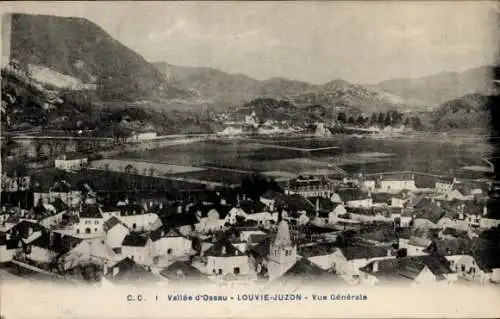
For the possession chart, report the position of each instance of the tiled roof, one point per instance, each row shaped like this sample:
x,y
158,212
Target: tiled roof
x,y
135,240
294,203
449,247
164,232
306,273
112,222
271,194
223,248
90,211
408,268
61,244
363,251
319,249
351,194
130,271
180,270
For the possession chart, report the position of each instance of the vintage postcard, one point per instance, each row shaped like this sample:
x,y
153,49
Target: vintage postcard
x,y
247,159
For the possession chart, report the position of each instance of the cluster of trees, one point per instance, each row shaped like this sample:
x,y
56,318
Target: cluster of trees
x,y
389,118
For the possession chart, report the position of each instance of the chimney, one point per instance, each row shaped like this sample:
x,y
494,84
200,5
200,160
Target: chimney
x,y
179,209
145,207
51,238
105,269
161,205
485,210
115,271
375,266
438,203
223,251
389,252
317,205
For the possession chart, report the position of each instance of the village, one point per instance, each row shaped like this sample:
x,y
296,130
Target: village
x,y
371,229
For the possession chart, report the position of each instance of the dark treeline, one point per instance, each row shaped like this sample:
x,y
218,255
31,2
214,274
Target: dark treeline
x,y
380,119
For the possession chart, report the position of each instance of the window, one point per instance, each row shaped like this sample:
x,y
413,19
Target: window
x,y
77,230
169,251
236,270
87,230
213,271
134,226
463,268
220,271
95,229
97,222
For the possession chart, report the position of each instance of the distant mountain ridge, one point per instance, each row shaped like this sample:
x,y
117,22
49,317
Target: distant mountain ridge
x,y
220,87
439,88
78,48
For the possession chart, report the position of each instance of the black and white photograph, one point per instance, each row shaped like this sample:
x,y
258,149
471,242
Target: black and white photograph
x,y
217,159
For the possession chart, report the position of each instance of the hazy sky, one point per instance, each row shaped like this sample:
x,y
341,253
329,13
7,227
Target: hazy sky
x,y
363,42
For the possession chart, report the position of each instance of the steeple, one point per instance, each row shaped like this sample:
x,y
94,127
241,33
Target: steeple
x,y
282,238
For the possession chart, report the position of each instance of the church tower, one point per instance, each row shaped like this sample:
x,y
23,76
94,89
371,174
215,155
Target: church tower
x,y
282,252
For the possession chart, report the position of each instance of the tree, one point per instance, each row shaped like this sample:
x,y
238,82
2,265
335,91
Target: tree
x,y
388,119
341,117
407,122
380,119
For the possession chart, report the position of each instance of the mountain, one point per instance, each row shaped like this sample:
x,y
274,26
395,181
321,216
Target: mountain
x,y
467,112
225,89
212,84
79,50
439,88
342,94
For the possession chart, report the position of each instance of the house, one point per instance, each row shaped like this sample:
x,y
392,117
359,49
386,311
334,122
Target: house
x,y
90,221
70,195
209,218
142,136
319,254
348,260
180,272
408,271
480,265
234,214
338,212
399,199
413,244
138,247
491,214
137,218
170,243
309,187
127,271
355,197
40,245
71,162
258,212
268,199
8,247
445,184
428,209
304,272
15,183
224,258
115,232
396,181
369,184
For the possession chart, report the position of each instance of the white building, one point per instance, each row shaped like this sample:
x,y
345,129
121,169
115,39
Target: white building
x,y
170,243
116,231
139,248
71,162
224,258
90,222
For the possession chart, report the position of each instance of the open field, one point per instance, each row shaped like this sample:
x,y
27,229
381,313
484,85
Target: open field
x,y
354,155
